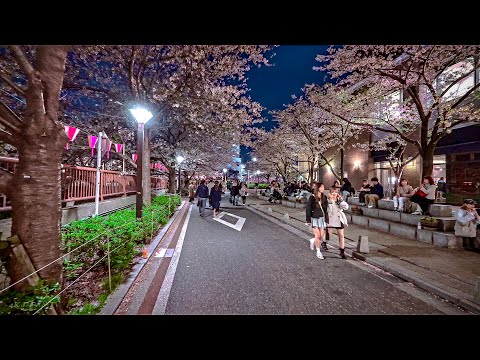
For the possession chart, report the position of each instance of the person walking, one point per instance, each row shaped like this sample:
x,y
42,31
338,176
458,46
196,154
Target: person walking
x,y
216,198
234,193
244,193
466,223
202,193
337,219
317,217
404,192
191,191
210,185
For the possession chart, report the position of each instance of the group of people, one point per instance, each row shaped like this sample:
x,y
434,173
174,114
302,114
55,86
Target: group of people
x,y
213,192
324,213
424,195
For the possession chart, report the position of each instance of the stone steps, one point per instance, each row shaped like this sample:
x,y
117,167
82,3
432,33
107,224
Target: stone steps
x,y
405,225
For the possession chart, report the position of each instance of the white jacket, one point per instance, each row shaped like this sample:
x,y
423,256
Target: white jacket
x,y
466,225
336,216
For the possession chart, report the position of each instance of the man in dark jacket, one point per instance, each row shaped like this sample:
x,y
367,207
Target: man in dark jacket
x,y
234,193
202,193
376,193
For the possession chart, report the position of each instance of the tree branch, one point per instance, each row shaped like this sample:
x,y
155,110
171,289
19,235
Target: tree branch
x,y
23,61
6,137
459,101
10,83
9,114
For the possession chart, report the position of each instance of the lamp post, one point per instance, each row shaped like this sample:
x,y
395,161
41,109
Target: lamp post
x,y
225,173
179,159
142,116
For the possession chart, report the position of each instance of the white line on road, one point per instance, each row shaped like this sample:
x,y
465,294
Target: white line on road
x,y
164,294
237,226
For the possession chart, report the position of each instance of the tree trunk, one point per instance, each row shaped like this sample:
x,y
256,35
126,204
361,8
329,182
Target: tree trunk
x,y
147,181
427,160
171,180
36,199
342,173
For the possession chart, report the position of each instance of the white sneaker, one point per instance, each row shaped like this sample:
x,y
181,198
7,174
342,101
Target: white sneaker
x,y
319,254
417,213
312,243
370,206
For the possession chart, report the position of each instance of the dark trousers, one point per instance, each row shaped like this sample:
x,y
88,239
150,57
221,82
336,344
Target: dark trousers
x,y
362,196
244,198
423,202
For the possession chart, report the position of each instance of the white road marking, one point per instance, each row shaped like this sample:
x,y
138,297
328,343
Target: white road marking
x,y
164,294
237,226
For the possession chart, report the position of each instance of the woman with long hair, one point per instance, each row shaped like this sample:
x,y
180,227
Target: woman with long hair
x,y
424,195
404,192
337,219
216,198
317,217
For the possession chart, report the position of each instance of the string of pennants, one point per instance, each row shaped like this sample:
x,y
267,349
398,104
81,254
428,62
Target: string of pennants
x,y
106,146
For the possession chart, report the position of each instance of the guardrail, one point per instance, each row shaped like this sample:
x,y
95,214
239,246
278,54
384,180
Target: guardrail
x,y
78,183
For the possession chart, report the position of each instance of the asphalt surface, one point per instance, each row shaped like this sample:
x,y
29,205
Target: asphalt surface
x,y
265,269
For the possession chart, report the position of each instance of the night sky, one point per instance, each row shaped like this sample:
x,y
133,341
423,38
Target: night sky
x,y
293,66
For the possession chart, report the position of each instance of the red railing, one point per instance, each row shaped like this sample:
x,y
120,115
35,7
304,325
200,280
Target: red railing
x,y
78,183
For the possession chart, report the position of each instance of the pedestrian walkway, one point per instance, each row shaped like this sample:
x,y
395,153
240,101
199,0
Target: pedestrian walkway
x,y
451,274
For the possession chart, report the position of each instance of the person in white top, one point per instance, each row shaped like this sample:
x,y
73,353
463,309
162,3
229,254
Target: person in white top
x,y
424,195
336,217
244,193
466,223
404,192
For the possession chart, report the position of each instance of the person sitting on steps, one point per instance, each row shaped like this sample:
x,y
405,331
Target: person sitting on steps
x,y
376,193
365,189
404,192
424,195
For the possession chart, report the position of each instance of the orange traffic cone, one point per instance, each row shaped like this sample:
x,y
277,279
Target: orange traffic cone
x,y
144,252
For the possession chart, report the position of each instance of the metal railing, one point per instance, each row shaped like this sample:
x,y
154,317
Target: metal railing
x,y
78,183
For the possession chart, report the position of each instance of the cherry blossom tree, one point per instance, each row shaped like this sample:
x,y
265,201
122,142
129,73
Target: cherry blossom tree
x,y
192,80
436,81
31,79
325,134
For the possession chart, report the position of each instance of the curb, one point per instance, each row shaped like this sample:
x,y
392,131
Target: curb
x,y
402,274
116,298
425,285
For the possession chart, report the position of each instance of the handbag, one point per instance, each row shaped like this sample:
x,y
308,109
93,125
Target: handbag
x,y
421,193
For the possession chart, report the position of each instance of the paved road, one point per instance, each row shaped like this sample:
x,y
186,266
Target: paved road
x,y
264,269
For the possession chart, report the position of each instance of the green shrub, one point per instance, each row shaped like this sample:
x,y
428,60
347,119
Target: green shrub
x,y
27,303
126,239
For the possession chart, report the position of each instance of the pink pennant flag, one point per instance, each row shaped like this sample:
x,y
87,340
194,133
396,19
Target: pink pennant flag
x,y
92,141
71,133
134,157
118,148
151,166
109,146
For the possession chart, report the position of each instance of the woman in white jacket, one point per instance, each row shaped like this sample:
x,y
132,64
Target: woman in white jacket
x,y
466,224
336,217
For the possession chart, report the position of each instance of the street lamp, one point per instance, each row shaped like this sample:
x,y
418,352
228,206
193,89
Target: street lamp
x,y
142,116
179,159
254,159
225,173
